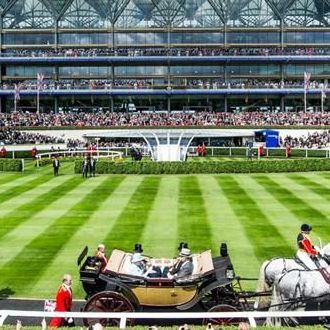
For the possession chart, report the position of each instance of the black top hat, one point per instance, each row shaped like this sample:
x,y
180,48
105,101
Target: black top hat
x,y
183,245
138,248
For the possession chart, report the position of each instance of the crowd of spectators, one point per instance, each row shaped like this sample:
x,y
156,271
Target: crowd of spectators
x,y
11,136
148,84
315,140
163,51
175,118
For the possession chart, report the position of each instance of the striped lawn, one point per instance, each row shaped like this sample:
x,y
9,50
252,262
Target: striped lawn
x,y
46,221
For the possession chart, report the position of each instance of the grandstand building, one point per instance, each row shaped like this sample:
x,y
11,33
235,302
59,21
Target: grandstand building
x,y
163,55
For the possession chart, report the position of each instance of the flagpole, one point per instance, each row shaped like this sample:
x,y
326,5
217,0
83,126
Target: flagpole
x,y
38,100
322,101
15,103
305,100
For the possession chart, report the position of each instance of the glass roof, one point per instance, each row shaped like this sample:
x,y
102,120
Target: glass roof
x,y
163,13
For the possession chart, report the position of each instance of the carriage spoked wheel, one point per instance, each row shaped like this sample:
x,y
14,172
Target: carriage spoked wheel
x,y
222,321
108,301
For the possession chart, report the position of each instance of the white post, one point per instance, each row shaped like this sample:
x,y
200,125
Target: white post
x,y
122,324
322,102
305,100
15,103
23,167
97,146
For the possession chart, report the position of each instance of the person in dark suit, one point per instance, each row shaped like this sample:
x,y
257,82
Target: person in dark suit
x,y
184,267
93,166
86,166
56,166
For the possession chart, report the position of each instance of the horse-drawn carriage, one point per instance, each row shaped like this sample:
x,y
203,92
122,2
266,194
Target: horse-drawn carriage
x,y
211,285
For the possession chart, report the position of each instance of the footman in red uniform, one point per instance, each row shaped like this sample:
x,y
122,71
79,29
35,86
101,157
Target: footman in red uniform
x,y
63,303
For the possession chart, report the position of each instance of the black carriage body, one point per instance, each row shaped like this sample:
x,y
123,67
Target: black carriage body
x,y
210,284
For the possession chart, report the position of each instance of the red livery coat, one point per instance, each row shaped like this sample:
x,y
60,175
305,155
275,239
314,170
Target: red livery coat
x,y
63,304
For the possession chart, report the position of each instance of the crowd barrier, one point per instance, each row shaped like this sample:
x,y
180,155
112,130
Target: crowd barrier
x,y
249,316
100,153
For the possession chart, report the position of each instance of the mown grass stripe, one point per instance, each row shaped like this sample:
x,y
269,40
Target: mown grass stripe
x,y
317,188
192,217
39,253
285,222
130,224
8,177
14,241
91,234
226,227
296,205
159,238
257,227
20,189
22,213
325,175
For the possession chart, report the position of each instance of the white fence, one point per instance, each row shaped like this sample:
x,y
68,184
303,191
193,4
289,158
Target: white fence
x,y
249,316
67,153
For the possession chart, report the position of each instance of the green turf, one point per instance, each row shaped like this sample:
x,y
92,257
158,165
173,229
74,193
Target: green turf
x,y
47,221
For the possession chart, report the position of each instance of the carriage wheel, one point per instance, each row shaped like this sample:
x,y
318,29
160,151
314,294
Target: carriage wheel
x,y
222,321
218,296
108,301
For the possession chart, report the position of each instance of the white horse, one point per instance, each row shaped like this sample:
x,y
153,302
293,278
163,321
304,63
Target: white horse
x,y
295,288
271,269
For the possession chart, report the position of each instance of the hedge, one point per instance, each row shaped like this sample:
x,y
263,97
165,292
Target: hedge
x,y
267,166
10,165
47,161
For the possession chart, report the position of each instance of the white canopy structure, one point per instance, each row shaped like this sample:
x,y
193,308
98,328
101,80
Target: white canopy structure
x,y
169,144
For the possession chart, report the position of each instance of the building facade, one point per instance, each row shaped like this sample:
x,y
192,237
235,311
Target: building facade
x,y
170,55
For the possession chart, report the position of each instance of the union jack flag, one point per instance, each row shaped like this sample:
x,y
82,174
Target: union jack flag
x,y
40,79
17,92
307,79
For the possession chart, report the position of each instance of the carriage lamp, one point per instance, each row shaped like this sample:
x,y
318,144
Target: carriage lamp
x,y
223,250
230,274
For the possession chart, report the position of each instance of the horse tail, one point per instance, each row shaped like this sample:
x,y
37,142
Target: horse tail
x,y
275,305
262,302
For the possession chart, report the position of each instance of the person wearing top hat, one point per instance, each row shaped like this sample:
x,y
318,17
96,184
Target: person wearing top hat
x,y
307,253
184,267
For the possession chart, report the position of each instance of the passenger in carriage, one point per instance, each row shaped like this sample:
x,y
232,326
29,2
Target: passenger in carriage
x,y
184,267
140,264
101,257
307,253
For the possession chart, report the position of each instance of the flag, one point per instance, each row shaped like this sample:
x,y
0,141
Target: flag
x,y
307,80
92,84
49,306
17,91
324,88
40,79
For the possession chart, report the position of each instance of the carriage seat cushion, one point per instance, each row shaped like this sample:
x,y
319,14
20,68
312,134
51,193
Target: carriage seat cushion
x,y
118,260
203,263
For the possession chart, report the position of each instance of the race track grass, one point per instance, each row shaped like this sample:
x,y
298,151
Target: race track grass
x,y
47,221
